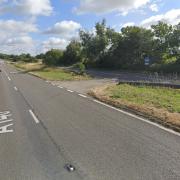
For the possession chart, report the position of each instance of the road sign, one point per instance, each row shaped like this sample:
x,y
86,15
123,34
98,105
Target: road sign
x,y
147,61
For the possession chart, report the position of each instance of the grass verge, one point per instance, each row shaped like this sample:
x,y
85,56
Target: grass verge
x,y
156,103
50,73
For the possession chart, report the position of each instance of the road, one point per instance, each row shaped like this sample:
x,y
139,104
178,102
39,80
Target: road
x,y
135,76
43,127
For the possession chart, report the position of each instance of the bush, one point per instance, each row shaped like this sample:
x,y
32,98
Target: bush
x,y
72,54
53,57
81,67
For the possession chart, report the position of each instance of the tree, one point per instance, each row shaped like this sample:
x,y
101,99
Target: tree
x,y
174,42
53,57
95,45
162,34
72,54
40,56
134,43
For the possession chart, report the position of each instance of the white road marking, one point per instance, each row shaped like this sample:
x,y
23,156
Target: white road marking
x,y
14,72
70,91
4,129
4,115
9,78
15,88
139,118
60,87
82,95
4,118
34,116
10,120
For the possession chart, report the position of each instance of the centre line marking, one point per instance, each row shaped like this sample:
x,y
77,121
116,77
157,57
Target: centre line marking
x,y
15,88
34,116
70,91
82,95
60,87
9,78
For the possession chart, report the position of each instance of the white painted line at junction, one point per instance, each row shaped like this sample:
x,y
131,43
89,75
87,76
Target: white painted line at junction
x,y
139,118
9,78
82,95
34,116
60,87
15,88
70,91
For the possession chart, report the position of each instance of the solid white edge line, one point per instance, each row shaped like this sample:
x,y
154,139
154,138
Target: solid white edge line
x,y
139,118
15,88
70,91
34,116
82,95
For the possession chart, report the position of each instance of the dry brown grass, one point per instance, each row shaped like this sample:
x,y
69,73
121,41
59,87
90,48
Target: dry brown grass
x,y
50,73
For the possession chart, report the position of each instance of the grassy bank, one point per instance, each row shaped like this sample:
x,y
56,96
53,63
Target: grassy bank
x,y
153,102
50,73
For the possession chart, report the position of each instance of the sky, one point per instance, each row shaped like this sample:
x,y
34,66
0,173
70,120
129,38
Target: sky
x,y
36,26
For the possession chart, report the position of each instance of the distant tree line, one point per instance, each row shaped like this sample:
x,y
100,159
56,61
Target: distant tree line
x,y
23,57
127,49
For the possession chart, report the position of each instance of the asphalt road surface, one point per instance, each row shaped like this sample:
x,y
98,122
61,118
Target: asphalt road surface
x,y
44,127
135,76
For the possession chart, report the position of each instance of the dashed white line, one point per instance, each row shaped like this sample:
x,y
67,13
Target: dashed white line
x,y
70,91
9,78
34,116
5,73
60,87
139,118
82,95
15,88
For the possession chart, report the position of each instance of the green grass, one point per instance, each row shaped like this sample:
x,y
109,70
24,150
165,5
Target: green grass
x,y
158,97
58,74
50,73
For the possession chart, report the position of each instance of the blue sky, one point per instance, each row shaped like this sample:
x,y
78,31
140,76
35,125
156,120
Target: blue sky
x,y
35,26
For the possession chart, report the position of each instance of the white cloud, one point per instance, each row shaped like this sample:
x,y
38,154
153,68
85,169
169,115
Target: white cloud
x,y
14,36
154,7
54,43
64,29
170,17
105,6
128,24
27,7
10,29
12,26
18,45
23,40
